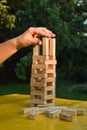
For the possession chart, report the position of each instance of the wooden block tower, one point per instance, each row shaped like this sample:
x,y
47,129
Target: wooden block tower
x,y
43,74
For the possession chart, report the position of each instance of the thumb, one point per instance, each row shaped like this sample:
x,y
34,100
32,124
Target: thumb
x,y
37,41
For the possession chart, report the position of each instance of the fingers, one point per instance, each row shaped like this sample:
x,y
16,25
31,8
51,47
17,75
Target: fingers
x,y
36,41
48,33
41,31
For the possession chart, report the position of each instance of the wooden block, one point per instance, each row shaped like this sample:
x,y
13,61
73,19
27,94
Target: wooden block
x,y
43,68
50,71
39,57
45,45
48,88
50,110
39,75
69,111
43,82
32,115
53,62
41,61
51,80
36,101
43,76
43,57
36,50
44,62
39,66
41,110
52,47
65,117
49,97
54,113
59,107
38,84
81,112
37,92
42,105
27,110
42,88
50,104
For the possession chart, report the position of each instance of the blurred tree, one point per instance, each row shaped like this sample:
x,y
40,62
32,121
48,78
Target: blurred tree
x,y
7,20
73,16
23,68
67,19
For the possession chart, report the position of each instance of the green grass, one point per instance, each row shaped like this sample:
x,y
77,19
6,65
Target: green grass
x,y
71,90
64,89
14,88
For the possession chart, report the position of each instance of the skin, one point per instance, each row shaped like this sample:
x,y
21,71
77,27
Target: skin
x,y
29,37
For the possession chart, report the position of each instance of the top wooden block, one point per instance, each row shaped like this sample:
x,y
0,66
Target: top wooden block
x,y
45,46
48,48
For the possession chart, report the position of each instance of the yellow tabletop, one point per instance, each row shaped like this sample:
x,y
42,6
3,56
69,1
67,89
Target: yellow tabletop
x,y
11,119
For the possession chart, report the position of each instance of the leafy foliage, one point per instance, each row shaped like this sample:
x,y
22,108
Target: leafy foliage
x,y
23,69
66,18
6,19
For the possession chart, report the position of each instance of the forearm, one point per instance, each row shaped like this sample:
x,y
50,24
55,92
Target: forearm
x,y
7,49
29,37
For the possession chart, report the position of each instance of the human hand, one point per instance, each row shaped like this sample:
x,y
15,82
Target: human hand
x,y
31,36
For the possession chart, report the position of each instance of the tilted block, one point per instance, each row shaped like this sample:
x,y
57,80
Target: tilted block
x,y
65,117
32,114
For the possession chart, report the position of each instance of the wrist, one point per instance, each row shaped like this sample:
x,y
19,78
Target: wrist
x,y
18,43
